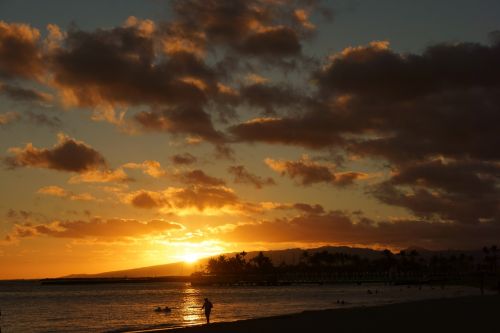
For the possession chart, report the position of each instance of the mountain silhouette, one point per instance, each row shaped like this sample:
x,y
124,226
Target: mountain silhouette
x,y
287,256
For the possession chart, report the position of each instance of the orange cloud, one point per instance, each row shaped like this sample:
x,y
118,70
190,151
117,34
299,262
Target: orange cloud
x,y
149,167
204,199
176,44
146,28
195,82
302,16
54,37
95,228
256,78
8,117
101,176
62,193
176,39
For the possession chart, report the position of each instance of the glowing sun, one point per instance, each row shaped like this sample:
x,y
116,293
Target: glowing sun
x,y
190,257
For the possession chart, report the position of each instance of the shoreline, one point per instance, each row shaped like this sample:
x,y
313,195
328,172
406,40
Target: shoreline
x,y
458,314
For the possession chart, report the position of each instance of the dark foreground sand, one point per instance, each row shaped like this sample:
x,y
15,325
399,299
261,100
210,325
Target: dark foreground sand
x,y
465,314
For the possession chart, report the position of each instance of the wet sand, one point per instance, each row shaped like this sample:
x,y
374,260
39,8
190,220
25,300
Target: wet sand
x,y
461,314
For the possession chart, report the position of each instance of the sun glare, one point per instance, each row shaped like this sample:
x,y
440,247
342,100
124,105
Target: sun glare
x,y
190,257
194,252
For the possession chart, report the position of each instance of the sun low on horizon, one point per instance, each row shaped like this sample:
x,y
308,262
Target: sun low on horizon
x,y
154,132
191,258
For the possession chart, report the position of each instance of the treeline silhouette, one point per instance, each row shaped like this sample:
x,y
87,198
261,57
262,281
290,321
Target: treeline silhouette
x,y
407,266
321,261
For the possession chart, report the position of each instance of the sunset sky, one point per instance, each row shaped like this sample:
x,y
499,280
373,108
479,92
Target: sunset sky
x,y
143,132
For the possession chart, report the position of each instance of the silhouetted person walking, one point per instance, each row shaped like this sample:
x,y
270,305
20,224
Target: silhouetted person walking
x,y
208,308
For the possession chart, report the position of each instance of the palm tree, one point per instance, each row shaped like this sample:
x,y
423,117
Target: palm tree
x,y
389,257
494,257
263,264
305,256
413,256
403,262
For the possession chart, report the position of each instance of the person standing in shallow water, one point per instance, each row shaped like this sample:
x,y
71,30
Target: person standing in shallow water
x,y
208,308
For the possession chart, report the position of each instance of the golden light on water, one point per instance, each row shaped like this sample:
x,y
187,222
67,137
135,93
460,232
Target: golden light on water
x,y
191,304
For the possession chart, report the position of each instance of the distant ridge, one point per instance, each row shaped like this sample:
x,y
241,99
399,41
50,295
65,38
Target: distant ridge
x,y
288,256
172,269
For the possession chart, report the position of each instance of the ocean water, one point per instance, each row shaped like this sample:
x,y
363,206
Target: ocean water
x,y
31,307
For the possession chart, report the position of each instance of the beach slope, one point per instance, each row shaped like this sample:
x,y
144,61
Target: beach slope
x,y
462,314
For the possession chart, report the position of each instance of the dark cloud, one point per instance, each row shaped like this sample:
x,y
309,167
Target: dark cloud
x,y
30,117
198,177
120,66
340,228
145,199
243,176
312,130
420,130
309,209
43,119
408,112
255,27
455,191
435,118
21,214
163,65
182,120
223,21
23,94
440,68
307,172
432,116
183,159
20,55
67,155
270,97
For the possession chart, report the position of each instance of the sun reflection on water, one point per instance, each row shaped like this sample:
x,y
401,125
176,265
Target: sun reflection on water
x,y
191,305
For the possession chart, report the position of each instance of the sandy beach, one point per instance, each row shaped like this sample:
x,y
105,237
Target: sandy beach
x,y
462,314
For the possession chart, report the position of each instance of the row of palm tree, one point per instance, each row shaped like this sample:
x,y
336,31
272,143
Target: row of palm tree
x,y
324,261
491,257
238,264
